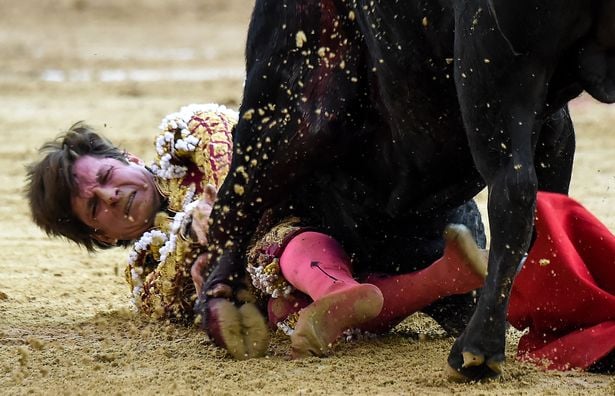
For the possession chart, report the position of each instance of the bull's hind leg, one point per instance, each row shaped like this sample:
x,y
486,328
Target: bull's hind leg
x,y
479,352
502,85
555,153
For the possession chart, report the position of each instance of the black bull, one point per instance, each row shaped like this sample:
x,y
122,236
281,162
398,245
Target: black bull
x,y
402,110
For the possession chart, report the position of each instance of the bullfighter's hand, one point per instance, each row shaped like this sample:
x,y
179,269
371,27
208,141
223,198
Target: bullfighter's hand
x,y
201,214
220,290
196,271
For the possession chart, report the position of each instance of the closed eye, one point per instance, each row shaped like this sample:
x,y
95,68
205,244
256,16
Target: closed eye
x,y
103,177
93,207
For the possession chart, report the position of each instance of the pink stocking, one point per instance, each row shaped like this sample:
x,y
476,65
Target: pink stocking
x,y
316,264
461,269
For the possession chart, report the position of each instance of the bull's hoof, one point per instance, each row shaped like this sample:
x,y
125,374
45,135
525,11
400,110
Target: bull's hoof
x,y
254,330
470,359
241,331
472,367
474,374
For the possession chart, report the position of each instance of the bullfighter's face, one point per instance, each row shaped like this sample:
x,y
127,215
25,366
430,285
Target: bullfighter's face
x,y
118,200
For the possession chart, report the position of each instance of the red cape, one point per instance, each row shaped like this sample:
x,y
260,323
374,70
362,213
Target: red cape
x,y
565,292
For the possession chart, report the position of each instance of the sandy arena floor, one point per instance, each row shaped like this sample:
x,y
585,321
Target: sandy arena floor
x,y
64,323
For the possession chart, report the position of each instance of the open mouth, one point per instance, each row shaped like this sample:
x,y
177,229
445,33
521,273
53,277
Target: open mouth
x,y
131,198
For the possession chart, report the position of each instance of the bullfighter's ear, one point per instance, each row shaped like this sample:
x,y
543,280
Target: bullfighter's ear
x,y
134,159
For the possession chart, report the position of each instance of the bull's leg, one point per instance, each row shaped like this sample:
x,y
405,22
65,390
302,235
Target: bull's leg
x,y
291,123
555,153
553,165
479,351
502,87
